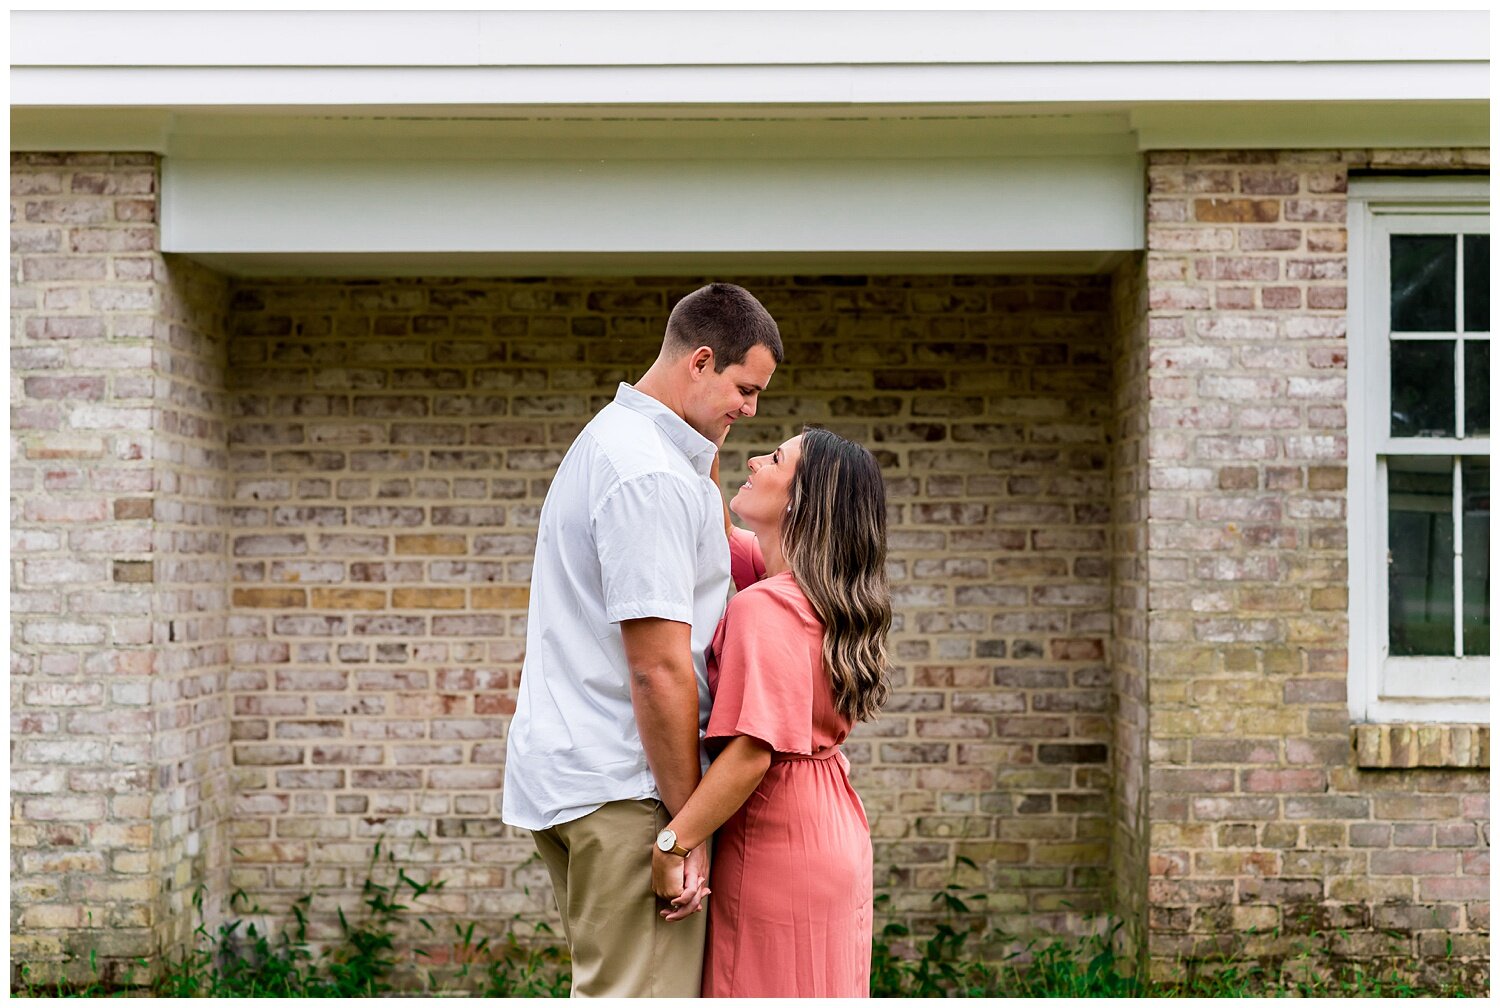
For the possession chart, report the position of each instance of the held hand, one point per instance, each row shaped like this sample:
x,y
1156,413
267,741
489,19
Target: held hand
x,y
666,874
695,887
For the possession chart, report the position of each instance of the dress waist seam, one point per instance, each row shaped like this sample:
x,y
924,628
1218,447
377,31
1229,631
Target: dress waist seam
x,y
825,754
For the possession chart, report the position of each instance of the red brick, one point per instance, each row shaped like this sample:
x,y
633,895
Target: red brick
x,y
1284,781
1237,211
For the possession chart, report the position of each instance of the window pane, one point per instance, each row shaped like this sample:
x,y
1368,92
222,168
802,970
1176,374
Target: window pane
x,y
1424,287
1421,552
1422,388
1476,283
1476,476
1476,387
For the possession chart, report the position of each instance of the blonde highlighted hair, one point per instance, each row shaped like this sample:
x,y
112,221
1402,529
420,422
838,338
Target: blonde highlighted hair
x,y
833,538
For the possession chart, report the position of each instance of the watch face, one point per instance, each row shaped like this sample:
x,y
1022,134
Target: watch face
x,y
666,840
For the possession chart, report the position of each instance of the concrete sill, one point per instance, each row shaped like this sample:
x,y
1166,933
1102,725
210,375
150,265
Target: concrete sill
x,y
1405,746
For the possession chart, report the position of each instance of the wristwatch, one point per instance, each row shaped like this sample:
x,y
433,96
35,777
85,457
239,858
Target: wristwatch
x,y
666,842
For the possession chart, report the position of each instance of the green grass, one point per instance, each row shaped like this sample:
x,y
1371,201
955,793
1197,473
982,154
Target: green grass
x,y
958,959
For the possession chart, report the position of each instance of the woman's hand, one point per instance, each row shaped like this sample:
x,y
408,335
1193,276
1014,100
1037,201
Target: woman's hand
x,y
695,888
713,477
667,871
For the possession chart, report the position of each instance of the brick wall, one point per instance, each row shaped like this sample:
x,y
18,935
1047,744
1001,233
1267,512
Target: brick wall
x,y
113,467
190,574
1129,640
1259,817
301,514
391,444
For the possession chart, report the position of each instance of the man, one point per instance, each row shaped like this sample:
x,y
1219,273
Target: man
x,y
629,581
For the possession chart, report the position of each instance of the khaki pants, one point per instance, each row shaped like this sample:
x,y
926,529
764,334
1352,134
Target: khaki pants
x,y
601,874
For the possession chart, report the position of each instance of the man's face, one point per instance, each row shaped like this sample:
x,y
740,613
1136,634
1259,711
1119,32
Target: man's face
x,y
719,398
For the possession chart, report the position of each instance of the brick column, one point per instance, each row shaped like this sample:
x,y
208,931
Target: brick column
x,y
112,376
1129,641
1259,817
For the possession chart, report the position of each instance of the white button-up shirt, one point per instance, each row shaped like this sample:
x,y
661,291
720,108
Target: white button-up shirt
x,y
631,528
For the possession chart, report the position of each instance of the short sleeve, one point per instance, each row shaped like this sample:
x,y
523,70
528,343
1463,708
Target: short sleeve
x,y
746,563
765,684
646,534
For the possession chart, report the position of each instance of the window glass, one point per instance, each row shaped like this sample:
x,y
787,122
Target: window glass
x,y
1422,388
1476,487
1476,387
1424,272
1421,555
1476,283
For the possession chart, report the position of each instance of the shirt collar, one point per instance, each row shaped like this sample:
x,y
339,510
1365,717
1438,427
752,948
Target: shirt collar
x,y
698,449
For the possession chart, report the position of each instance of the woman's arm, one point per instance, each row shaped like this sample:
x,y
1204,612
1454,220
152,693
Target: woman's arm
x,y
731,778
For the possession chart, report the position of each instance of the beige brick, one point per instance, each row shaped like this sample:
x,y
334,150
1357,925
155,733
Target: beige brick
x,y
347,598
430,545
270,598
427,598
500,598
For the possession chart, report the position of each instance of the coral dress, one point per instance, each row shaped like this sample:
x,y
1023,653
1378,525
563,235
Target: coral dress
x,y
790,914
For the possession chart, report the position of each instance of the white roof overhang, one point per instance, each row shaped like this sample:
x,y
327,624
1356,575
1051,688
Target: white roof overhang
x,y
605,141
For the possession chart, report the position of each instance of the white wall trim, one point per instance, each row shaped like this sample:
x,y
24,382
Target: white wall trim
x,y
601,207
738,38
684,86
1174,79
1369,200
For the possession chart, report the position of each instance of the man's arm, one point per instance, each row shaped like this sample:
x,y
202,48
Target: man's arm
x,y
664,693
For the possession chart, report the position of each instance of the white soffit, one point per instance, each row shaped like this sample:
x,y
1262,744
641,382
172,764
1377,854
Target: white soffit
x,y
609,211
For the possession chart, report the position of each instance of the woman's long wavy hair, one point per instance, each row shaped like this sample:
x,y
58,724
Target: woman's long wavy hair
x,y
833,538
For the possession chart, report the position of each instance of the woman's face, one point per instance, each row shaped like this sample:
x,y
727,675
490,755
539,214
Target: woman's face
x,y
763,498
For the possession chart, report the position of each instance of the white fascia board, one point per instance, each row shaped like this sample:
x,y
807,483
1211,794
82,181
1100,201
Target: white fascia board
x,y
958,205
689,264
753,133
729,38
758,132
1177,126
791,86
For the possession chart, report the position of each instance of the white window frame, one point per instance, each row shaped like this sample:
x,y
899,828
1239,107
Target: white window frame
x,y
1381,688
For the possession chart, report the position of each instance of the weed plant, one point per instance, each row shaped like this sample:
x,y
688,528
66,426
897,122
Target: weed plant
x,y
240,961
368,960
1090,967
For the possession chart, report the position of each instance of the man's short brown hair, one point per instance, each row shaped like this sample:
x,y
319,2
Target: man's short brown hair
x,y
725,318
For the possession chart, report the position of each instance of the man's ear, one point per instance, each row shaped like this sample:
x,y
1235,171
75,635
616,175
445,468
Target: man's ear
x,y
701,360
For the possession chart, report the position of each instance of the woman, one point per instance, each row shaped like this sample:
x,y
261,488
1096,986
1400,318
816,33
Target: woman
x,y
798,658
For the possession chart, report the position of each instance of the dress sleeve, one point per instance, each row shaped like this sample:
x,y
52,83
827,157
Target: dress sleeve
x,y
765,684
746,564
